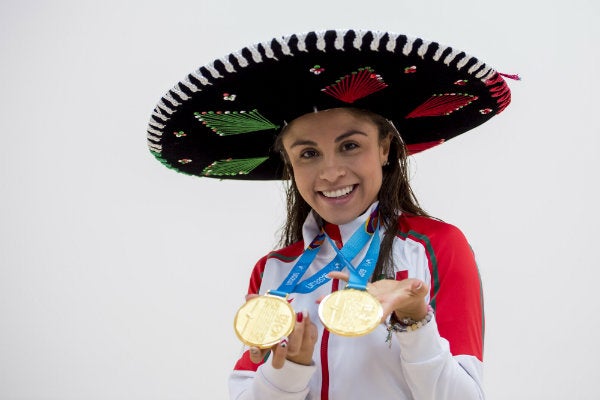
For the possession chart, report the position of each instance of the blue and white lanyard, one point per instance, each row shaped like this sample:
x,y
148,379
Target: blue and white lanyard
x,y
359,276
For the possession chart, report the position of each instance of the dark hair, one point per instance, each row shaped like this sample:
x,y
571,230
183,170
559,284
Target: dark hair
x,y
394,196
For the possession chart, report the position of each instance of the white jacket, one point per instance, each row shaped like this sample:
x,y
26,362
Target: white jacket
x,y
442,360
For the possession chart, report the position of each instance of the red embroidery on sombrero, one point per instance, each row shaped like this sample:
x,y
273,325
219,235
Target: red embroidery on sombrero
x,y
356,85
500,91
442,104
419,147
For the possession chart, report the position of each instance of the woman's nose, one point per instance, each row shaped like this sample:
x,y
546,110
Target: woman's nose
x,y
332,171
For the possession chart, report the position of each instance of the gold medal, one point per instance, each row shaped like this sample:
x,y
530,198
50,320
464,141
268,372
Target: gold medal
x,y
350,312
264,320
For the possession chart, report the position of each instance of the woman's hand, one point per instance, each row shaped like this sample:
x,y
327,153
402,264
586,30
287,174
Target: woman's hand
x,y
298,347
406,297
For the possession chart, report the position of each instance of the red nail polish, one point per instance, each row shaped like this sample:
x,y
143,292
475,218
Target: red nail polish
x,y
299,317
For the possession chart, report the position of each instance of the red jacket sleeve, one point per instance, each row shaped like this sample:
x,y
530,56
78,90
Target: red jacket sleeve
x,y
456,293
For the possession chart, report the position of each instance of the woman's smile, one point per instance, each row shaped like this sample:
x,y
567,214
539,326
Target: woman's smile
x,y
335,194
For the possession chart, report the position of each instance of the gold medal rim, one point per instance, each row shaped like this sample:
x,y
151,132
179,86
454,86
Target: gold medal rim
x,y
262,298
346,333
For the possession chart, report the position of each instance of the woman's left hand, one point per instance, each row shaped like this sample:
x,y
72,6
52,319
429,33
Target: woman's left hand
x,y
406,297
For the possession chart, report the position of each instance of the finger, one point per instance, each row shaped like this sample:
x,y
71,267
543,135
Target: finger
x,y
257,355
419,287
279,354
387,311
295,342
310,330
339,275
251,296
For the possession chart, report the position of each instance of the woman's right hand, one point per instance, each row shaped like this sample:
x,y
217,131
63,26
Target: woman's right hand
x,y
298,347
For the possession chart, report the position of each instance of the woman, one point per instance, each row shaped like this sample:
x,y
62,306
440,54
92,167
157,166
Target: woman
x,y
352,216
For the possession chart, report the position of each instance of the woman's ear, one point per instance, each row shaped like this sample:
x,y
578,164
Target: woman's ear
x,y
384,149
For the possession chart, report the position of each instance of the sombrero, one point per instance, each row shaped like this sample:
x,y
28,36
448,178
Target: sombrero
x,y
222,119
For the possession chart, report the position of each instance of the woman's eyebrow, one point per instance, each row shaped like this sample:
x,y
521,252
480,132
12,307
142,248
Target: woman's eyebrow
x,y
305,142
301,142
348,134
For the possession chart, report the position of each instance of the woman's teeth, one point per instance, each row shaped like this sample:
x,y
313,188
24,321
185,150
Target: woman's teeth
x,y
339,192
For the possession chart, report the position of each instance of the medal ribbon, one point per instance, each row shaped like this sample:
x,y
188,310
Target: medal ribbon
x,y
358,277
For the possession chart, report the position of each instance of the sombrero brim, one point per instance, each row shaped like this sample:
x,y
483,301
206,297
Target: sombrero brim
x,y
222,119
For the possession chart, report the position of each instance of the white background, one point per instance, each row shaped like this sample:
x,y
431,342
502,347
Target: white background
x,y
119,278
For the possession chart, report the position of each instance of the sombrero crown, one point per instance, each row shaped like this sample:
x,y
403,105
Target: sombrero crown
x,y
222,119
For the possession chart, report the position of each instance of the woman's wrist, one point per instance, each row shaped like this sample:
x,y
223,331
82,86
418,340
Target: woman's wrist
x,y
408,318
409,323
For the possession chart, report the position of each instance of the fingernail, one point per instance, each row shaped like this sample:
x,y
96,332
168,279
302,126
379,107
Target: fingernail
x,y
283,342
299,316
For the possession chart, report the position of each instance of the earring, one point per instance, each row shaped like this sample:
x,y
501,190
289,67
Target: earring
x,y
386,163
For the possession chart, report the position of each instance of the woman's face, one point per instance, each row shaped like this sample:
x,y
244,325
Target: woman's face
x,y
336,158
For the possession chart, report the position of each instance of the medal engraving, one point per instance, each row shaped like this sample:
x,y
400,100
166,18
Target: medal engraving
x,y
263,321
350,312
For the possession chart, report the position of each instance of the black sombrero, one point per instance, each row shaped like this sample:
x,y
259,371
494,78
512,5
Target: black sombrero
x,y
222,119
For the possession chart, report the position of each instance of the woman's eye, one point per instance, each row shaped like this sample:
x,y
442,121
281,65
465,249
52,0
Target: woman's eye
x,y
349,146
308,154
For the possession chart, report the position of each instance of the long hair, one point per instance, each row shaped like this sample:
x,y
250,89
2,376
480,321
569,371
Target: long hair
x,y
395,195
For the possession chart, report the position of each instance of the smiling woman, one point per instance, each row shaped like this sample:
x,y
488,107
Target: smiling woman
x,y
336,160
409,322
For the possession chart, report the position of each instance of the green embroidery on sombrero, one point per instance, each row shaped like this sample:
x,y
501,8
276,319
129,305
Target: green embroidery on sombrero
x,y
160,158
356,85
234,122
231,167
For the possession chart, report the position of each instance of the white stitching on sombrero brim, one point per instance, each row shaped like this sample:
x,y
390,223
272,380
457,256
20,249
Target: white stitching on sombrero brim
x,y
213,71
240,59
438,53
391,44
269,52
407,49
376,39
485,74
163,107
357,42
156,147
169,97
301,43
154,134
186,82
422,50
256,57
177,90
228,65
339,40
285,48
198,75
321,41
450,57
462,62
158,114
